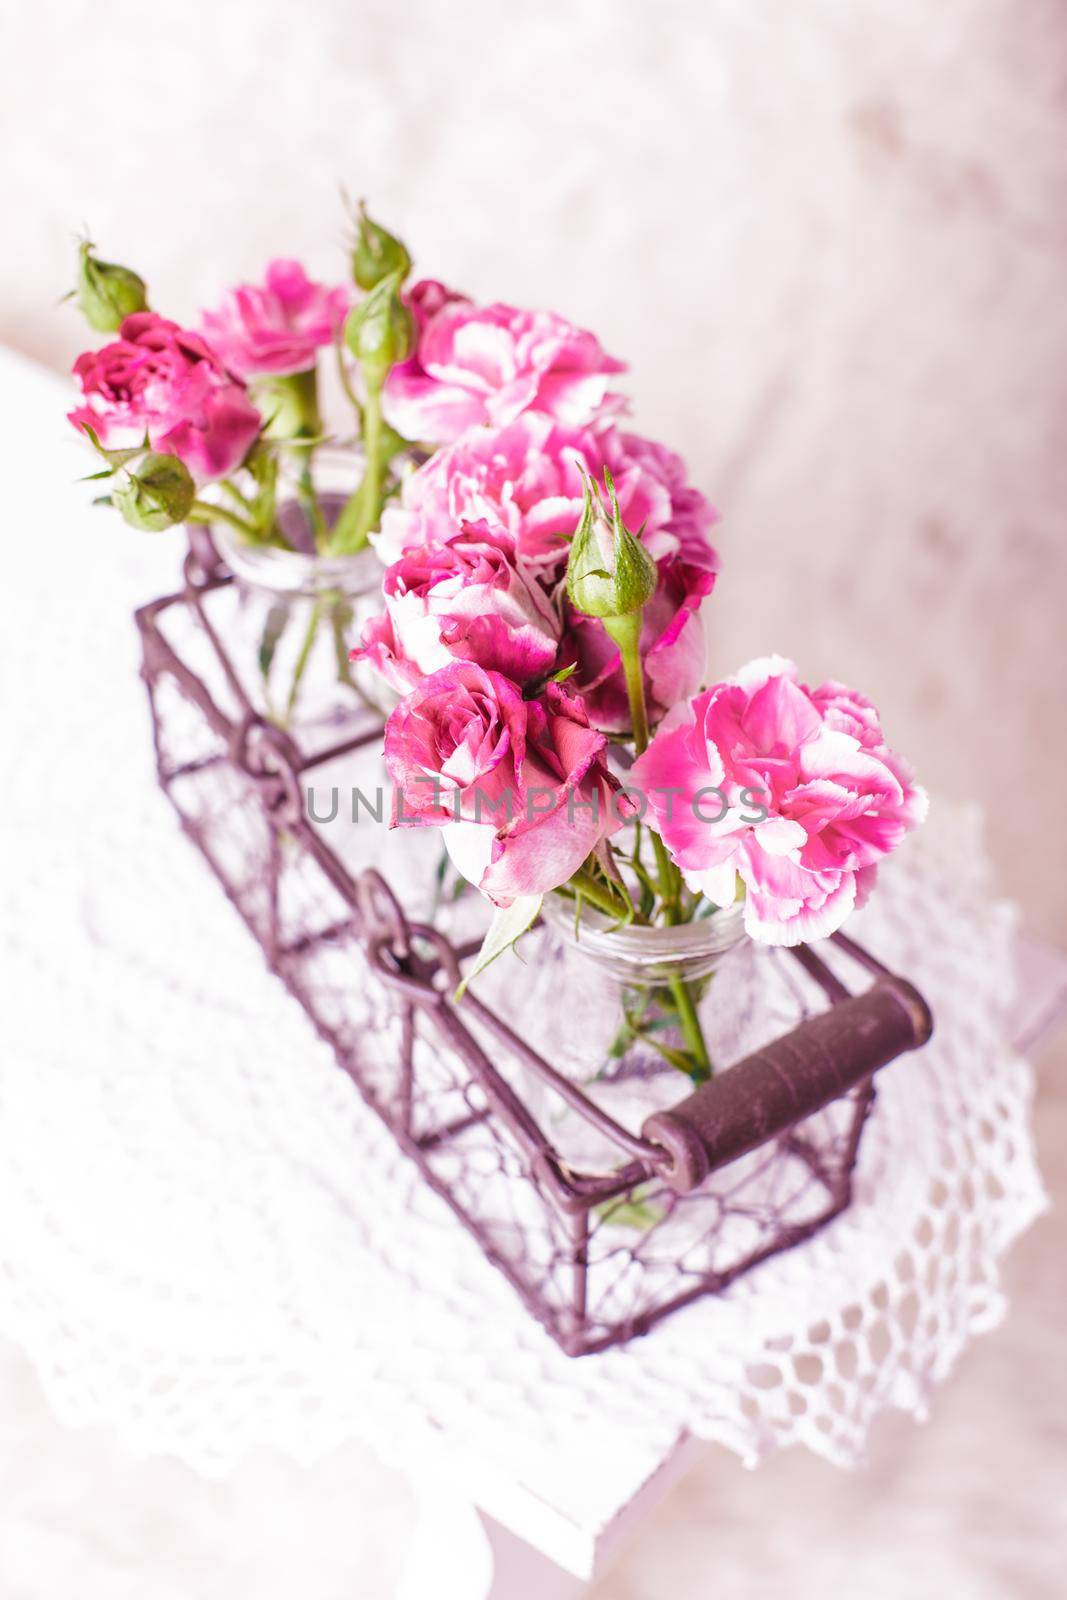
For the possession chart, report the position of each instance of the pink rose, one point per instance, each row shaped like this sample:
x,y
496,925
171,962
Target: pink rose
x,y
463,598
527,478
159,379
487,364
519,786
427,297
278,326
836,798
672,647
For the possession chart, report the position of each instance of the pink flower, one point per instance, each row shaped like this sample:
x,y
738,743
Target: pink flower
x,y
672,647
487,364
463,598
836,798
518,785
691,515
276,327
159,379
527,478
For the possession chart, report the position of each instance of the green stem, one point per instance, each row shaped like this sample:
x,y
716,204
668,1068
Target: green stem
x,y
346,385
201,511
670,879
692,1032
372,444
626,632
598,894
310,502
234,492
362,512
296,424
302,658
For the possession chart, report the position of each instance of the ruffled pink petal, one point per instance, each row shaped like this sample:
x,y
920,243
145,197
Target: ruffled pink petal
x,y
378,647
677,776
785,905
534,859
214,444
718,882
780,715
522,653
419,407
573,397
778,836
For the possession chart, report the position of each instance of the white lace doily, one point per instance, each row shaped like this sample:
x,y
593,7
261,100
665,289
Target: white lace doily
x,y
207,1242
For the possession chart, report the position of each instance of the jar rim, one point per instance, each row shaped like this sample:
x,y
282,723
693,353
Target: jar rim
x,y
631,942
280,571
293,572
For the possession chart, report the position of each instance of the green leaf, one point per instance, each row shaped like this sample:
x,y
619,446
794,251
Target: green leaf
x,y
648,889
564,673
509,922
261,461
114,458
273,628
391,443
633,1212
676,1058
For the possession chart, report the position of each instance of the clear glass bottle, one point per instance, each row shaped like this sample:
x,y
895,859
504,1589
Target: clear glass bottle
x,y
296,614
600,1004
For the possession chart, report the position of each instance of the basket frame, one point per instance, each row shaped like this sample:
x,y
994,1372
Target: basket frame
x,y
419,968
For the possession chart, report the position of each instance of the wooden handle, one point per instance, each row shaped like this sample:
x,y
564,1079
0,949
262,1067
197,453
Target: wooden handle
x,y
766,1093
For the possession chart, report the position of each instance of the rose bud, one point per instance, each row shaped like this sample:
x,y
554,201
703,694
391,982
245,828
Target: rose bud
x,y
107,292
609,572
380,331
376,254
159,493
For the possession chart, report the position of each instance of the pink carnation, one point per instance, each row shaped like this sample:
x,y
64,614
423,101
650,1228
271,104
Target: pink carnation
x,y
527,478
278,326
487,364
519,786
163,381
463,598
691,514
837,799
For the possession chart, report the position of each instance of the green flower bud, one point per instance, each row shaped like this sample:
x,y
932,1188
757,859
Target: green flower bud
x,y
376,254
106,292
380,331
609,571
158,492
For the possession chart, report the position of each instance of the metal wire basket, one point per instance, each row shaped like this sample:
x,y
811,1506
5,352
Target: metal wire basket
x,y
745,1166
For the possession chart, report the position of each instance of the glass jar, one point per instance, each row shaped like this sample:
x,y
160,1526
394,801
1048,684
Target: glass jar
x,y
296,614
606,1006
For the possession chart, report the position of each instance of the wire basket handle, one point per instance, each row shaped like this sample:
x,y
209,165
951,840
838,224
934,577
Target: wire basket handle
x,y
769,1091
